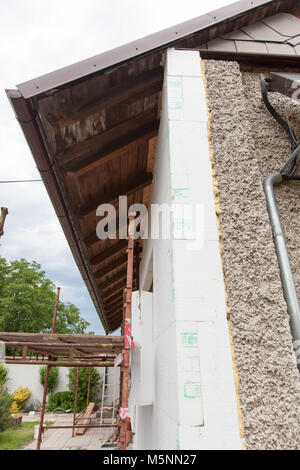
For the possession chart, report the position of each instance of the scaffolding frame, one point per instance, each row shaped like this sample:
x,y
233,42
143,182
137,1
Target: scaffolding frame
x,y
82,351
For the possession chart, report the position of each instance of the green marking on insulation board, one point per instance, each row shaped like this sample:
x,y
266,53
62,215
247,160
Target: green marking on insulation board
x,y
181,192
182,224
176,104
189,340
192,389
175,82
177,444
172,256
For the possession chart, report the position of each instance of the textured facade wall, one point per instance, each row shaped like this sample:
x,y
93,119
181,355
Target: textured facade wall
x,y
248,144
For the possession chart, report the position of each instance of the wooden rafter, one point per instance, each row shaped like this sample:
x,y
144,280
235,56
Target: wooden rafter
x,y
110,268
116,289
114,305
114,313
110,290
92,239
113,279
109,295
117,297
141,85
105,138
139,183
109,252
84,163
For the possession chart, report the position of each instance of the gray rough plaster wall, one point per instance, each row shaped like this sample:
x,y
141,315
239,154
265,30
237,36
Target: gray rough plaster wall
x,y
248,144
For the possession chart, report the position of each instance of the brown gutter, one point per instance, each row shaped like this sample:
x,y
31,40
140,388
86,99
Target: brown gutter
x,y
28,122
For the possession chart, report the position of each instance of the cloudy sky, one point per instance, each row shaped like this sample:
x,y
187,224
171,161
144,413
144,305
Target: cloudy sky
x,y
36,37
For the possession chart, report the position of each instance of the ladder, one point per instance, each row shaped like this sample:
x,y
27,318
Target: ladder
x,y
108,402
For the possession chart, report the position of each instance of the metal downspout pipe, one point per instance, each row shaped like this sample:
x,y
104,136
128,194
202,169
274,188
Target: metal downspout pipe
x,y
286,274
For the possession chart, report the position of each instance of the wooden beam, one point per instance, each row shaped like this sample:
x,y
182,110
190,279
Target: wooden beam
x,y
85,419
117,297
24,354
85,163
92,239
114,313
61,363
115,325
112,294
139,183
114,305
57,346
118,288
112,280
93,144
111,290
149,82
113,266
109,252
67,339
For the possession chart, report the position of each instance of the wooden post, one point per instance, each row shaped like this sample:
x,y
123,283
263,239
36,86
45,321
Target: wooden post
x,y
75,403
4,213
55,311
76,391
39,441
89,387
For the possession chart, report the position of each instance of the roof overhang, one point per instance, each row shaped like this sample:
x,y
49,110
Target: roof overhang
x,y
92,129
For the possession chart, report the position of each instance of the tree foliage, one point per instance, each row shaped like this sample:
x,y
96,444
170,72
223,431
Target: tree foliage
x,y
5,404
53,378
83,385
61,400
27,300
3,377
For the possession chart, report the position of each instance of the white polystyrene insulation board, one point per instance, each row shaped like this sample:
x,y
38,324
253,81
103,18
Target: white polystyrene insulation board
x,y
194,403
142,376
207,418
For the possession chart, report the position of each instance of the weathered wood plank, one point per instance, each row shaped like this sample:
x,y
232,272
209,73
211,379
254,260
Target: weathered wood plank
x,y
86,163
110,268
86,418
138,184
90,146
109,252
139,85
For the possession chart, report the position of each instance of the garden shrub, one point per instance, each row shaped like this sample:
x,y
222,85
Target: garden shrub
x,y
83,385
3,377
53,377
20,396
5,404
64,400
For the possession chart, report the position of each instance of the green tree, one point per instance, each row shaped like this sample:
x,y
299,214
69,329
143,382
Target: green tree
x,y
83,385
27,300
53,378
5,404
3,377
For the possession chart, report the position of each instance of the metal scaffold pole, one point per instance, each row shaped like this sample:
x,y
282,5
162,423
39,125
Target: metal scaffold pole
x,y
39,441
124,421
76,392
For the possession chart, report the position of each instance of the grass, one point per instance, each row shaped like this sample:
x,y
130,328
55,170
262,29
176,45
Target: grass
x,y
16,438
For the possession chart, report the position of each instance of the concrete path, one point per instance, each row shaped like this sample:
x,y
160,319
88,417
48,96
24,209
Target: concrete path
x,y
61,439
